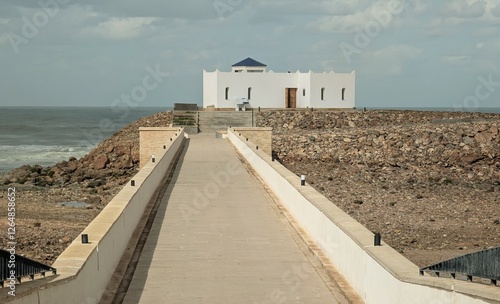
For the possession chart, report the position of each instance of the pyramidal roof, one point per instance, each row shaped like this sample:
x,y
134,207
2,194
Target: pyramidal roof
x,y
249,62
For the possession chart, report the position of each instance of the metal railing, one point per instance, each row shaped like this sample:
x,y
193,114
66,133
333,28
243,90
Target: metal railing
x,y
483,264
21,267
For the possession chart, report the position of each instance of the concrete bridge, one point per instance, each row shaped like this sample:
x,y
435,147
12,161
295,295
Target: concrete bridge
x,y
231,226
219,237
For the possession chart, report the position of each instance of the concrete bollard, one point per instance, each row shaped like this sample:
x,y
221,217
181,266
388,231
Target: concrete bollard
x,y
132,183
85,238
153,158
302,180
377,238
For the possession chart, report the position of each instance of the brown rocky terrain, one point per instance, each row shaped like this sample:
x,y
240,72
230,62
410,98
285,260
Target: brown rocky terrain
x,y
43,228
429,182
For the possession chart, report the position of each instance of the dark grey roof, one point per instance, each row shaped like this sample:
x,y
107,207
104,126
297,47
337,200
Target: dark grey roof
x,y
249,62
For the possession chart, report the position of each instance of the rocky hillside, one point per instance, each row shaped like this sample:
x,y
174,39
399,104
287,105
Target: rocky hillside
x,y
462,148
428,181
284,121
111,163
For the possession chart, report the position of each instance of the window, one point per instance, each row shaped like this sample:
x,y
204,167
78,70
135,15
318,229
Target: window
x,y
303,92
322,93
227,93
249,93
343,93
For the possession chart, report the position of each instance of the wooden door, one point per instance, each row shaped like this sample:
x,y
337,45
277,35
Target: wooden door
x,y
290,98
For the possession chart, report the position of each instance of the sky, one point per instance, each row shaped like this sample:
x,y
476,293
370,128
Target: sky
x,y
406,53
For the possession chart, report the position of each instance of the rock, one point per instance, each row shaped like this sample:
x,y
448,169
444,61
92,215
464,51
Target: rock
x,y
358,202
483,137
122,150
472,158
100,162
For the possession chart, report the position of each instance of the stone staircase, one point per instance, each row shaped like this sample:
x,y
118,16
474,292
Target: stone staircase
x,y
187,120
221,120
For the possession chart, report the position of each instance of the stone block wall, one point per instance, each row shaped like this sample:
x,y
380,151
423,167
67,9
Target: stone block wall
x,y
152,141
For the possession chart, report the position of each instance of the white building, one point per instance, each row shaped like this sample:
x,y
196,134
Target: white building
x,y
249,82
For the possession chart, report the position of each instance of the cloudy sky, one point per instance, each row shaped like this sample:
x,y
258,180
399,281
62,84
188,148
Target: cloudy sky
x,y
406,53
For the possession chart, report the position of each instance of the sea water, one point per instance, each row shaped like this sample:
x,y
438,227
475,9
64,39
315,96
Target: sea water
x,y
46,136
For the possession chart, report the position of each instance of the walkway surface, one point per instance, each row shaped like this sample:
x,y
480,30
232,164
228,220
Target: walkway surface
x,y
218,239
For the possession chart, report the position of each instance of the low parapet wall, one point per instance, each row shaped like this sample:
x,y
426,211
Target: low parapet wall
x,y
84,270
379,274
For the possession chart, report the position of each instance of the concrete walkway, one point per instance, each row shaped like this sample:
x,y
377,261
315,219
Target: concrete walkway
x,y
217,239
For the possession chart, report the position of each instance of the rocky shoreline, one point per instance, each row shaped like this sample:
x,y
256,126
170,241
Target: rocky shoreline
x,y
45,229
427,181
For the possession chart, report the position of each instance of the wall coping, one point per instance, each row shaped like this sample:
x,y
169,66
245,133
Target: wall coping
x,y
252,128
159,129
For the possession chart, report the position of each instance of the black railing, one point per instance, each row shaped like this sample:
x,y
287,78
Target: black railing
x,y
483,264
22,267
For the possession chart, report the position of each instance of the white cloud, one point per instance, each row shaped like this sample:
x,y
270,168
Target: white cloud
x,y
382,13
390,60
4,40
495,11
455,60
121,28
299,7
465,9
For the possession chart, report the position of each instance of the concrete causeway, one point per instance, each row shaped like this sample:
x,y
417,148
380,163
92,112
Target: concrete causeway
x,y
218,239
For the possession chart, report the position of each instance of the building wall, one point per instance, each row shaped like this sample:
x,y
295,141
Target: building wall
x,y
304,100
333,84
268,89
210,96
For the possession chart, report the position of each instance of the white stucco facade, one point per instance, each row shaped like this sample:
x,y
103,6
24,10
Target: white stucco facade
x,y
265,89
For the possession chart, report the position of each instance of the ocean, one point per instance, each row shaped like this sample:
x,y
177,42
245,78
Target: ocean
x,y
46,136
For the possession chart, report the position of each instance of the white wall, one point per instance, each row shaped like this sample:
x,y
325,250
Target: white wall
x,y
379,274
333,84
84,270
210,96
268,89
304,83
